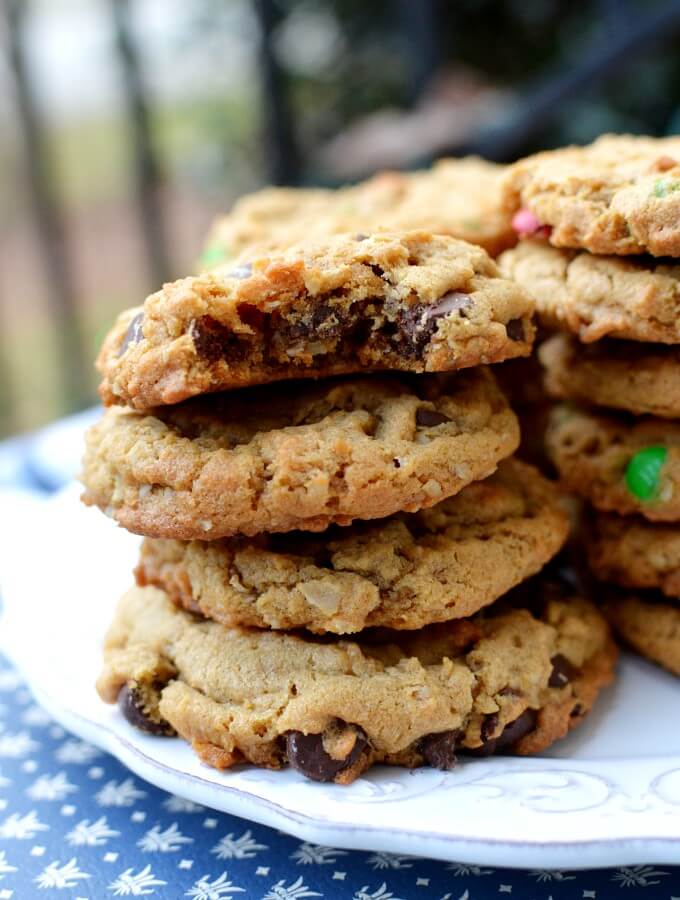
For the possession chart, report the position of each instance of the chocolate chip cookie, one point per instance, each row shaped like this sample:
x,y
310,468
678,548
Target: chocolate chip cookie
x,y
459,197
511,681
407,571
640,378
297,456
410,302
650,625
634,553
599,296
619,463
620,195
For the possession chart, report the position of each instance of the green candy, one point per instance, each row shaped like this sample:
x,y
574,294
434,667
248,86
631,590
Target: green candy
x,y
643,470
212,255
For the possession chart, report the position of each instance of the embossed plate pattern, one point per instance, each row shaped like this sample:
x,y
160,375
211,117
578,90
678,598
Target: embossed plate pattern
x,y
608,795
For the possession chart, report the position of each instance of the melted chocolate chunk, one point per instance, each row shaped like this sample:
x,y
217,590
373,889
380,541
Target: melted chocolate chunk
x,y
307,755
214,341
489,725
250,315
419,322
131,704
562,672
511,734
451,302
327,321
439,750
134,333
515,329
515,731
428,418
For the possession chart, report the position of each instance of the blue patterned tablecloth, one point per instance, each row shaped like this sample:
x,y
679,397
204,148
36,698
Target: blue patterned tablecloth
x,y
75,823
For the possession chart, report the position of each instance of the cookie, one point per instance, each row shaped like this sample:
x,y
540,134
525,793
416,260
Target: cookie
x,y
599,296
650,625
521,380
297,456
618,463
415,302
640,378
458,197
634,553
618,195
404,572
511,681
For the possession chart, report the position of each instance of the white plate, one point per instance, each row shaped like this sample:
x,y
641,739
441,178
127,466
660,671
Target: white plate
x,y
607,795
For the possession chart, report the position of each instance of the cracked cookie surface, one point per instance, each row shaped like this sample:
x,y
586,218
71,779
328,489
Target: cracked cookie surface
x,y
620,195
410,570
599,296
650,625
300,456
599,457
513,680
354,303
458,197
640,378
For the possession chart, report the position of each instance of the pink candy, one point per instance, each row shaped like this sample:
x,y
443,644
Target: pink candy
x,y
526,224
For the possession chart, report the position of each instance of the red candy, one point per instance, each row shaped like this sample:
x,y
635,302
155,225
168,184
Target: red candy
x,y
526,224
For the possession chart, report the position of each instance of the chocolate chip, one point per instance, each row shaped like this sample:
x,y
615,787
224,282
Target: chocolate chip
x,y
133,706
515,731
439,750
361,236
576,711
244,271
326,321
306,754
418,323
562,672
414,332
489,725
428,418
250,315
214,341
511,734
377,270
515,329
133,334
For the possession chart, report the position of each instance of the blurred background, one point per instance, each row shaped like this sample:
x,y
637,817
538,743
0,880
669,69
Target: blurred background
x,y
127,125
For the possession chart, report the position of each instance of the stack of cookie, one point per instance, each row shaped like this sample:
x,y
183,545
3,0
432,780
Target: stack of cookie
x,y
320,544
602,259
